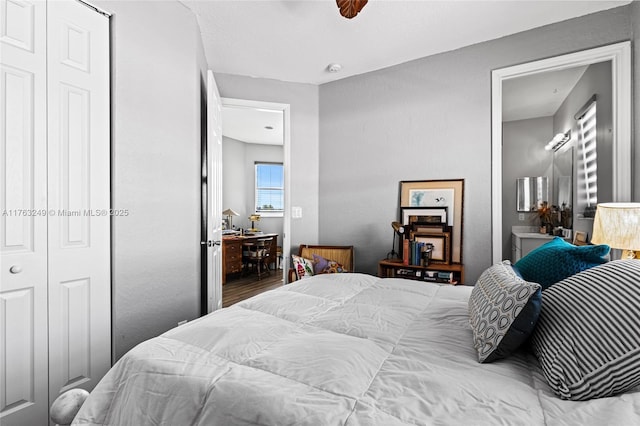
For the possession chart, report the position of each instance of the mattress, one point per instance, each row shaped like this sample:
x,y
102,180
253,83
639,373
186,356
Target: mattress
x,y
336,349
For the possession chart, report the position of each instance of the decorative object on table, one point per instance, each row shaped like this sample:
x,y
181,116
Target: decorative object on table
x,y
254,218
439,245
549,218
618,225
580,238
426,253
438,194
229,213
398,230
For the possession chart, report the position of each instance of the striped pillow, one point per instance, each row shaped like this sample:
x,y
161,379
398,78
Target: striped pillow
x,y
588,334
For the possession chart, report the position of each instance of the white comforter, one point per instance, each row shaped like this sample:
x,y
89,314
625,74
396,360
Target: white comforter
x,y
338,349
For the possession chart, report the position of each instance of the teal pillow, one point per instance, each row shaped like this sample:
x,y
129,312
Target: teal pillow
x,y
558,259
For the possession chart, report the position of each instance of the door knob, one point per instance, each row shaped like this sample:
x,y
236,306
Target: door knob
x,y
15,269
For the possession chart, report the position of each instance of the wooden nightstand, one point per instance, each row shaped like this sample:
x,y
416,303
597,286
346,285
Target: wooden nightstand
x,y
395,269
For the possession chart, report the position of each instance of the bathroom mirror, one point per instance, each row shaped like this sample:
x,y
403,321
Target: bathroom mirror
x,y
531,193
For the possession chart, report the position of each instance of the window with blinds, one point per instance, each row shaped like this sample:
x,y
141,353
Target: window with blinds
x,y
269,189
587,176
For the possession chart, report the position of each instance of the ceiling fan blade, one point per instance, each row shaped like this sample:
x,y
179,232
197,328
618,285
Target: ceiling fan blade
x,y
350,8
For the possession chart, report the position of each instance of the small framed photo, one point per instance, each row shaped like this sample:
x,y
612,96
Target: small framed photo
x,y
580,238
411,215
441,246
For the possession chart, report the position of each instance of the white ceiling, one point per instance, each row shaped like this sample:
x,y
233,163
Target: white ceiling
x,y
295,40
251,125
538,95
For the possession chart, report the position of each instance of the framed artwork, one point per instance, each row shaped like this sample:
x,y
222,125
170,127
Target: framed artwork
x,y
412,215
441,251
580,238
438,193
430,228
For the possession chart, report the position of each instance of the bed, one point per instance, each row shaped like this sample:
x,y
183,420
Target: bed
x,y
337,349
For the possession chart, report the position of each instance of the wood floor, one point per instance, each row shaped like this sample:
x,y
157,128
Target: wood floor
x,y
238,289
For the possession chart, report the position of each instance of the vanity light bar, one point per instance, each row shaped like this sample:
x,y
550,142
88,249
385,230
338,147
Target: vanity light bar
x,y
558,141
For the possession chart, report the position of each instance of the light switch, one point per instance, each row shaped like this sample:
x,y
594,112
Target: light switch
x,y
296,212
521,217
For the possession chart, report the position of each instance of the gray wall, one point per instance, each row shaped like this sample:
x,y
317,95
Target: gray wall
x,y
428,119
155,168
238,171
596,80
303,99
523,155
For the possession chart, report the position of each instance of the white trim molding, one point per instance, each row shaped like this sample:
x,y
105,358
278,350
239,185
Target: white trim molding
x,y
620,56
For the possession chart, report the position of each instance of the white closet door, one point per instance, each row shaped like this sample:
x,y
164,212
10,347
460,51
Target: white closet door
x,y
23,219
79,193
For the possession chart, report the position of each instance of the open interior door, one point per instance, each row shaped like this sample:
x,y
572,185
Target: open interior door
x,y
214,195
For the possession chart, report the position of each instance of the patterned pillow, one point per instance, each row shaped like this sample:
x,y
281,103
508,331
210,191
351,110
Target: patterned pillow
x,y
324,266
558,259
588,336
503,310
302,266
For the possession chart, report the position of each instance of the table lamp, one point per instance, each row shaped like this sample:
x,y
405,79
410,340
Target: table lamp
x,y
398,229
254,218
229,213
618,225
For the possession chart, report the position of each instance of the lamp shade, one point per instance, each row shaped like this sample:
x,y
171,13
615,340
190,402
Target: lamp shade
x,y
617,225
230,212
254,218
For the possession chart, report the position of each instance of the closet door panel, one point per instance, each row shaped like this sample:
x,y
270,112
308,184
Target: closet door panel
x,y
79,191
23,213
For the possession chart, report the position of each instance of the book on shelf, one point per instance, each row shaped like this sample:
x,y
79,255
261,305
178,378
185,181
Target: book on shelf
x,y
442,277
405,252
413,252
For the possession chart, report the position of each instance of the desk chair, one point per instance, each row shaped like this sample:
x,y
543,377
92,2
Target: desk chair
x,y
256,255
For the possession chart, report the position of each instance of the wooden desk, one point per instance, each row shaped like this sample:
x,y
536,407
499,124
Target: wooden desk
x,y
232,252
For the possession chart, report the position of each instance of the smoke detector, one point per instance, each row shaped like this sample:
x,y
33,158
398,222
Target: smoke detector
x,y
334,68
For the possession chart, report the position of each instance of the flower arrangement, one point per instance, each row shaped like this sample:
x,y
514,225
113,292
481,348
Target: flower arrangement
x,y
545,213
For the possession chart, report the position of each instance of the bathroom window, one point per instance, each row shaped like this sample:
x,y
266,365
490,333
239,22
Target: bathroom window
x,y
587,179
269,189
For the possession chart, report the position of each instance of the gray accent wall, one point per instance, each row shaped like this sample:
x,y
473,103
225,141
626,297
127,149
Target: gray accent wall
x,y
156,62
429,119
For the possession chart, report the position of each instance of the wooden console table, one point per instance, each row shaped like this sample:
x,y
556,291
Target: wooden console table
x,y
390,268
232,252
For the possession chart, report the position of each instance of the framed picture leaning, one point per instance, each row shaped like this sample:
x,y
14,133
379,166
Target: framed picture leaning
x,y
438,193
